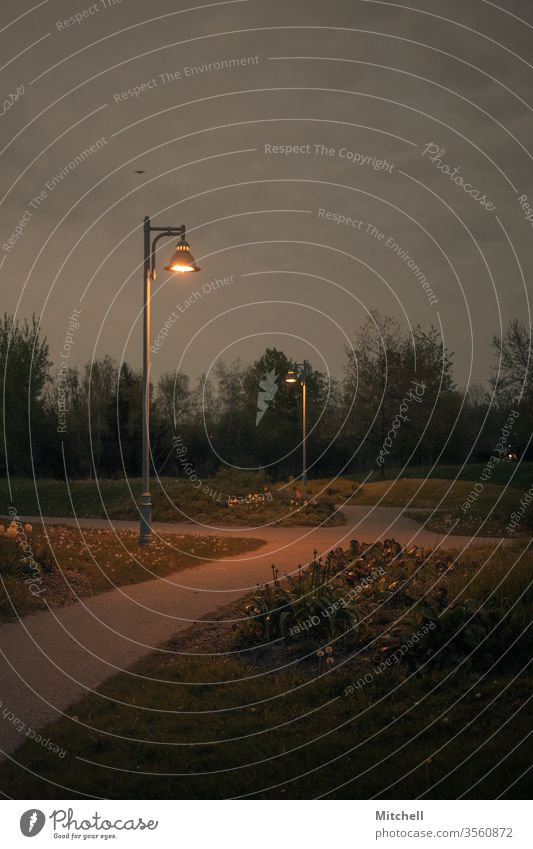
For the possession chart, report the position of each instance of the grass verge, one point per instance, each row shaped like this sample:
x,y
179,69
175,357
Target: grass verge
x,y
174,500
518,475
450,505
71,562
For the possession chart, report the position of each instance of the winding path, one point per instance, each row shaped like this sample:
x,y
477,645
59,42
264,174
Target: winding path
x,y
51,659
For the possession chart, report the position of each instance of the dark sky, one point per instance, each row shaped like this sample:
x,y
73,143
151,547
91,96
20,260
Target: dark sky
x,y
361,89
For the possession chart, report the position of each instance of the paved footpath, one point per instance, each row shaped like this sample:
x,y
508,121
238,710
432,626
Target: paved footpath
x,y
51,659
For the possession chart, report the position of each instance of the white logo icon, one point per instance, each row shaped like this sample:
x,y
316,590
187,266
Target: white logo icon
x,y
268,388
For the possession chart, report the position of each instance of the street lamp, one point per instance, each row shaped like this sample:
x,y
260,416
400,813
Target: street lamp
x,y
182,261
299,373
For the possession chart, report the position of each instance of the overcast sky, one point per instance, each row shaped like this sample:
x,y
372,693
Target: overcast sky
x,y
258,124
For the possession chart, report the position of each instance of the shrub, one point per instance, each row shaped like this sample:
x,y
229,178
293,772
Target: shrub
x,y
12,560
391,592
475,634
312,602
9,556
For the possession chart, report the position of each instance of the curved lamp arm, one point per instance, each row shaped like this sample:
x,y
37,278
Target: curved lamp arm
x,y
169,232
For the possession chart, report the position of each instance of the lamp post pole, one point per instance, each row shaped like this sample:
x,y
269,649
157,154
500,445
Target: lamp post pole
x,y
299,372
304,423
181,261
145,501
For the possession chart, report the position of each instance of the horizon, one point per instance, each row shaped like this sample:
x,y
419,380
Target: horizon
x,y
161,335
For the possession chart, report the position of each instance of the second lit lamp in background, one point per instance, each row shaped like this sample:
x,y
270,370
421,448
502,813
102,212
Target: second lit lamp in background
x,y
299,373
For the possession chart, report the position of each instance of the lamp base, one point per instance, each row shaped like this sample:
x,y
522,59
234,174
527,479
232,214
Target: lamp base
x,y
145,527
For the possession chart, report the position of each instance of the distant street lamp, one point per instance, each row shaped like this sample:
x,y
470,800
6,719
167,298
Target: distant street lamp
x,y
299,373
182,261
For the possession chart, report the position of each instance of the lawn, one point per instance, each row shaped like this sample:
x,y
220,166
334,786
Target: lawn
x,y
230,714
518,475
252,502
73,562
439,504
438,498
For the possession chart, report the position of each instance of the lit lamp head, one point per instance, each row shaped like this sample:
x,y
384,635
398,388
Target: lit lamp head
x,y
292,376
182,259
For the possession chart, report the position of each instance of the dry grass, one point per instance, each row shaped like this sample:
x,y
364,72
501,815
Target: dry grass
x,y
80,562
440,503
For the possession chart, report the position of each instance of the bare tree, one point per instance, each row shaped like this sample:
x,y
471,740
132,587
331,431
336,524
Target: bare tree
x,y
512,377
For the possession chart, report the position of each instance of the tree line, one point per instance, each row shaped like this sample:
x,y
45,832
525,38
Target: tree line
x,y
395,403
